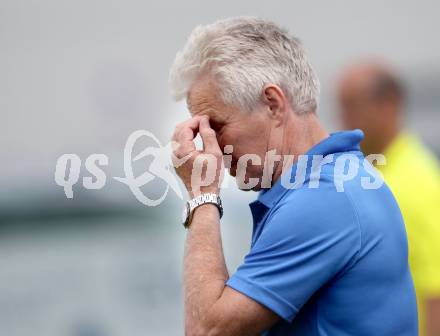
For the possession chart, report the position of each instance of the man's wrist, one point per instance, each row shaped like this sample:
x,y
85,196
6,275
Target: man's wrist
x,y
198,201
207,207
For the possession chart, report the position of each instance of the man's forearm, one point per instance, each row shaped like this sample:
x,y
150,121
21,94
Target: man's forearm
x,y
205,272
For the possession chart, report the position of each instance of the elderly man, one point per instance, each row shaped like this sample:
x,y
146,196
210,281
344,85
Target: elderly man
x,y
371,97
322,261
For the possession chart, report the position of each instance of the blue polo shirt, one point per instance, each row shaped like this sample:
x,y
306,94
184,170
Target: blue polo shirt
x,y
330,261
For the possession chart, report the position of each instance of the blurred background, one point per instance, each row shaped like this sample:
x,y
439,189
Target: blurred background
x,y
79,77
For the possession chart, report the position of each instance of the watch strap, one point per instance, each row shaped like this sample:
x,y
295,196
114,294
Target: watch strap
x,y
194,203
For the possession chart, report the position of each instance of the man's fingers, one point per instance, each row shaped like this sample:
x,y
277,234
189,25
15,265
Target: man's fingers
x,y
209,138
187,129
183,148
180,160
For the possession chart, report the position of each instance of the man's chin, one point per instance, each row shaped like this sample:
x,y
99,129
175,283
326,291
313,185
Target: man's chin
x,y
246,187
233,171
243,185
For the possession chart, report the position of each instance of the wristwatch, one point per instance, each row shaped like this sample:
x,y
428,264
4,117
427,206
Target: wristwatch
x,y
194,203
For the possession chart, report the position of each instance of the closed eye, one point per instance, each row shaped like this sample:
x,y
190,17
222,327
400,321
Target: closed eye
x,y
216,126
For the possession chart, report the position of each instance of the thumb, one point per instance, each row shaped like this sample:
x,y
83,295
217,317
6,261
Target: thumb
x,y
208,135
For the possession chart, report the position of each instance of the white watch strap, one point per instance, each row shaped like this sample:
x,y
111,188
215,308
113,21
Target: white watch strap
x,y
198,201
202,199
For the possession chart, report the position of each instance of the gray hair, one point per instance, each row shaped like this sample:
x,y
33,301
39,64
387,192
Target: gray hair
x,y
244,54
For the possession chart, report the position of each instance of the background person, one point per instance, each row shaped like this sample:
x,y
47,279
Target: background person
x,y
371,97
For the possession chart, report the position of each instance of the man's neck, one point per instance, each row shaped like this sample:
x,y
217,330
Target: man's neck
x,y
381,142
301,133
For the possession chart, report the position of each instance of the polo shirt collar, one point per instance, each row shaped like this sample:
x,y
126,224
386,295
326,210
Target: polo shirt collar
x,y
343,141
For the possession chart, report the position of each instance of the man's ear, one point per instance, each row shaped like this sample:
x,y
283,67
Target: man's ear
x,y
275,102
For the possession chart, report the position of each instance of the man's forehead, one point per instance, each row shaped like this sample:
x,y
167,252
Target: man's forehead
x,y
359,79
191,100
197,104
202,99
200,90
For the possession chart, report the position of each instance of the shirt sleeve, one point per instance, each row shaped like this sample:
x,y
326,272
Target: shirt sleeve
x,y
304,244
